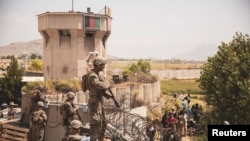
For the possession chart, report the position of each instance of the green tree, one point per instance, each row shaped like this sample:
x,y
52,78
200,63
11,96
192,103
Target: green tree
x,y
134,68
37,65
225,78
11,83
144,66
141,72
34,56
140,66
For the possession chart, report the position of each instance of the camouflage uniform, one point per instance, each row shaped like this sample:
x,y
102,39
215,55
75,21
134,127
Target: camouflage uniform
x,y
68,111
37,96
95,103
38,119
11,111
75,129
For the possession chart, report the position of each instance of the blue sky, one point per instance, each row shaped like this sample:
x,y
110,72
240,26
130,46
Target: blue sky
x,y
140,28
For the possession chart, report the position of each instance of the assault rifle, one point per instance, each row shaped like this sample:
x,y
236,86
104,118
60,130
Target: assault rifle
x,y
77,112
79,116
101,78
113,98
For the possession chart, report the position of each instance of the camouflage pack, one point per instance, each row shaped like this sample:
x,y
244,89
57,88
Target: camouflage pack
x,y
85,84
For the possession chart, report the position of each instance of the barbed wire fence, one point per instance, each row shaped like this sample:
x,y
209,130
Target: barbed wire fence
x,y
126,126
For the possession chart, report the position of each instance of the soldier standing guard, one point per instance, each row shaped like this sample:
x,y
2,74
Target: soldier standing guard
x,y
68,111
97,87
38,119
37,96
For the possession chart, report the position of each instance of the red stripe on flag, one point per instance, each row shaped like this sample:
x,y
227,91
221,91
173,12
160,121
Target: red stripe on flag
x,y
92,22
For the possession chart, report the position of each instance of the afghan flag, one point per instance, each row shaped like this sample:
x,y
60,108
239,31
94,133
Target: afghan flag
x,y
92,22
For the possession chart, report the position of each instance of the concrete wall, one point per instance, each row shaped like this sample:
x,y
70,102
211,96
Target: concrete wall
x,y
54,130
167,74
177,73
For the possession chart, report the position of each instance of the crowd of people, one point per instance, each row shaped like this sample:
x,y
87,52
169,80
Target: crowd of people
x,y
186,117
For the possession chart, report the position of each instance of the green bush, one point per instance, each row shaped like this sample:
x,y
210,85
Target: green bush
x,y
50,87
141,66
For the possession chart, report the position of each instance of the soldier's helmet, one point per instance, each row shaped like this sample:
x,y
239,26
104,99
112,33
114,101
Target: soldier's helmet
x,y
4,105
70,95
76,124
40,104
99,61
12,103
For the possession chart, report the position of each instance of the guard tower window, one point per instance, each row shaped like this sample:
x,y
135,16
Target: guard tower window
x,y
64,33
89,34
64,39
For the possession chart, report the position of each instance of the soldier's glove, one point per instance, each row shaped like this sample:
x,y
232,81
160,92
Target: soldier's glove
x,y
107,94
112,97
76,109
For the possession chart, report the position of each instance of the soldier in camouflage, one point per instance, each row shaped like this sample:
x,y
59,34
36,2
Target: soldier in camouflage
x,y
75,132
38,119
11,111
68,111
95,103
37,96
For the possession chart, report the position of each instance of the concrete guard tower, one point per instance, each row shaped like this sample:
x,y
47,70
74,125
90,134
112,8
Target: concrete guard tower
x,y
68,37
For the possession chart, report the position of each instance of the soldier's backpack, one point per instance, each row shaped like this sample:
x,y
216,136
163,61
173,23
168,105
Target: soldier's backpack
x,y
85,84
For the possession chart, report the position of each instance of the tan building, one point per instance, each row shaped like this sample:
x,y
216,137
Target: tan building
x,y
68,37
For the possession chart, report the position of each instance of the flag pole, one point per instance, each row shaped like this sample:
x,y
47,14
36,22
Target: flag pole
x,y
72,5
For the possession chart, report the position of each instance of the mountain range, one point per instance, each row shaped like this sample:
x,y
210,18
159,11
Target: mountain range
x,y
20,48
200,53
